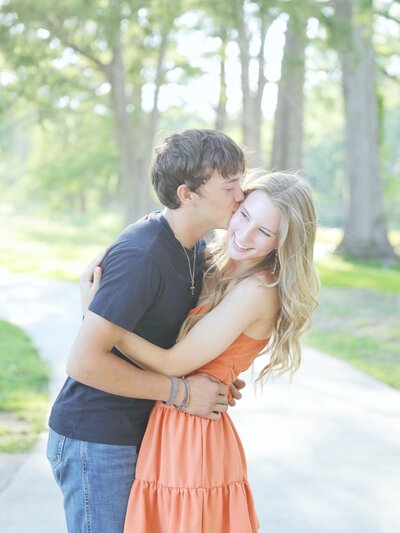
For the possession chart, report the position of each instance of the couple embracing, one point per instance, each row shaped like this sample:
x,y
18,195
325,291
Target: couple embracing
x,y
165,336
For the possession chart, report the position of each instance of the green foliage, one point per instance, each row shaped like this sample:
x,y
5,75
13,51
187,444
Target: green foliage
x,y
390,150
58,148
324,157
67,167
23,390
324,148
74,170
57,248
61,59
358,314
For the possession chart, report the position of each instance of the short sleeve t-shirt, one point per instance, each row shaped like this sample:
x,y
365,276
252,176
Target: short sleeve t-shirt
x,y
145,288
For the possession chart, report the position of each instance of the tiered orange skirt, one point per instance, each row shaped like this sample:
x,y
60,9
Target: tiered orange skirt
x,y
190,477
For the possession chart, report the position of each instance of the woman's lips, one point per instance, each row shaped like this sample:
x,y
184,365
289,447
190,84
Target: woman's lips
x,y
239,246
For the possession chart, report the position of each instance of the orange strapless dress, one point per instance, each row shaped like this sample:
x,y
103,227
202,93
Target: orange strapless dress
x,y
191,471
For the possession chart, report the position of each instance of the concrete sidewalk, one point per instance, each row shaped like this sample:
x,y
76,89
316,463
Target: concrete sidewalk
x,y
49,312
323,453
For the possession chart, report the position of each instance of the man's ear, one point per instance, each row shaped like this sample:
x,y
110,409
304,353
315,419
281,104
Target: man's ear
x,y
184,194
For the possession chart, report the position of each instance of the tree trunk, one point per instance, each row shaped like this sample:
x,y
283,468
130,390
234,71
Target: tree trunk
x,y
221,109
256,114
145,131
365,234
288,131
243,42
252,116
142,158
129,180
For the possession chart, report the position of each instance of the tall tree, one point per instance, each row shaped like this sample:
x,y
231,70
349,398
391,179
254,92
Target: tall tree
x,y
288,129
252,86
116,41
220,117
217,21
365,232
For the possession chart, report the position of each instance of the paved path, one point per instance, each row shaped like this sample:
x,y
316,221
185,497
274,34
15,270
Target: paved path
x,y
323,452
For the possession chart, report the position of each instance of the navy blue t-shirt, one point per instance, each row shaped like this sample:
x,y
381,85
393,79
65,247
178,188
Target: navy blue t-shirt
x,y
145,288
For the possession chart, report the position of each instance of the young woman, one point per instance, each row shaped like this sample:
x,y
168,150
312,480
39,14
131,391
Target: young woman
x,y
258,297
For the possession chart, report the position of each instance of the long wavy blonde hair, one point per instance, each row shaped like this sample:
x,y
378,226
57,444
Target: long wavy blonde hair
x,y
291,269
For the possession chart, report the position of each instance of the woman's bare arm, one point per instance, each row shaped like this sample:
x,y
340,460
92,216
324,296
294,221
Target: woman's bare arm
x,y
247,303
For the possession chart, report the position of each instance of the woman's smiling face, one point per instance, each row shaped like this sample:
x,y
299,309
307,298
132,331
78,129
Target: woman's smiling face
x,y
253,231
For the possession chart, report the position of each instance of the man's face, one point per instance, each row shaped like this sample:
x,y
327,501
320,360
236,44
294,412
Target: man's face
x,y
218,199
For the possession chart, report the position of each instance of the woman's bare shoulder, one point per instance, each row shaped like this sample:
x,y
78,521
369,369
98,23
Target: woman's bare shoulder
x,y
256,290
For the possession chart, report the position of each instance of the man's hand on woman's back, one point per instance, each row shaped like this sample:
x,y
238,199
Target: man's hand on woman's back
x,y
89,281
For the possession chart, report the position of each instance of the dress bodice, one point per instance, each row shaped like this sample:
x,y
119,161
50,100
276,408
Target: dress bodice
x,y
235,359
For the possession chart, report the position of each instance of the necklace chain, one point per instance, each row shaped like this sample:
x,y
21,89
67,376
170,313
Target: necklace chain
x,y
192,269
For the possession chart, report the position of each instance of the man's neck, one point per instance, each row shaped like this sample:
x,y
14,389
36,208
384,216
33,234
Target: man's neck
x,y
186,229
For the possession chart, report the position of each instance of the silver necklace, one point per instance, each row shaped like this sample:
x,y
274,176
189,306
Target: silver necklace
x,y
191,269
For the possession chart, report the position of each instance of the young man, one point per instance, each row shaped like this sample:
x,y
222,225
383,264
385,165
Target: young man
x,y
152,276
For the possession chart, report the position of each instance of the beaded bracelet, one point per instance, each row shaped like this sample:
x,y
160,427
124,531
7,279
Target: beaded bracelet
x,y
186,399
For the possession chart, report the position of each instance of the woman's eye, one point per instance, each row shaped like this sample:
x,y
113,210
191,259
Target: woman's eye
x,y
244,214
265,233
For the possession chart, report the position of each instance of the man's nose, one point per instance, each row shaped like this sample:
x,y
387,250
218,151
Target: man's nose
x,y
239,196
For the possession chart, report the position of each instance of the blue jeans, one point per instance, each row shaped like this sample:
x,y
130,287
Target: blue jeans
x,y
95,480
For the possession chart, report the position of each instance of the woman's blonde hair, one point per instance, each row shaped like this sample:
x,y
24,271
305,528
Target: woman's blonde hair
x,y
291,268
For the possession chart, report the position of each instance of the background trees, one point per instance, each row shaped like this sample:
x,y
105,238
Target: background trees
x,y
87,88
365,225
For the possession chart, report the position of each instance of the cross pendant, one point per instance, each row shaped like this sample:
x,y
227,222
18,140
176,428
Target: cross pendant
x,y
192,288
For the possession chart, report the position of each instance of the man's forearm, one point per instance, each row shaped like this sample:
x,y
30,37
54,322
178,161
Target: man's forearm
x,y
109,373
91,362
208,397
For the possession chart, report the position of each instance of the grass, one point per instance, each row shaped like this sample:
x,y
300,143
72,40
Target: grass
x,y
361,327
337,271
378,359
358,316
23,390
53,249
